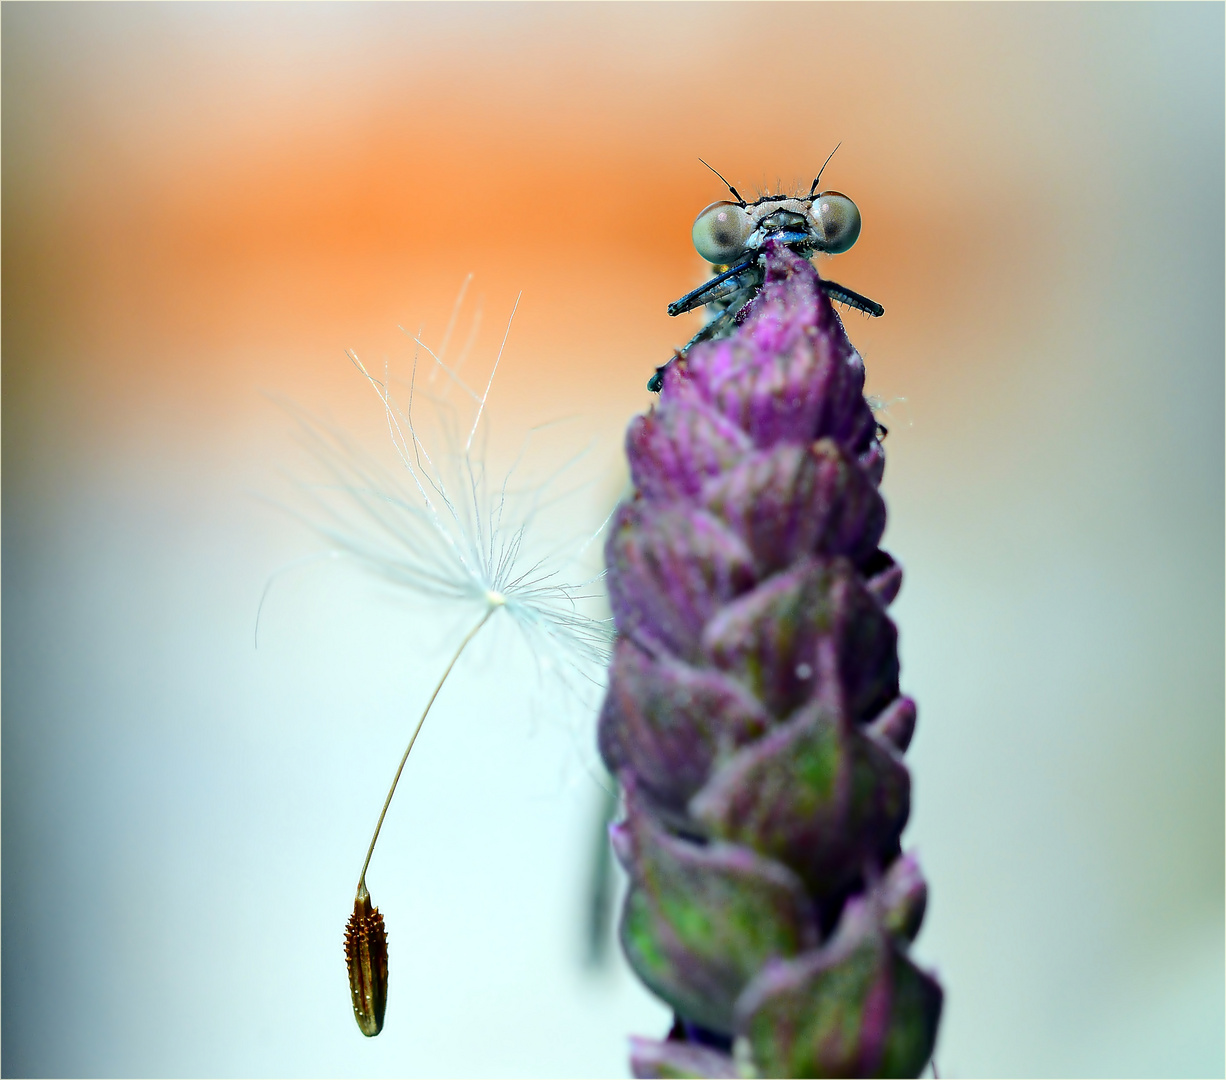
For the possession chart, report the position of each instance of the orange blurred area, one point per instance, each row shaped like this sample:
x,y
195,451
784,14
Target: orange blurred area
x,y
205,205
198,202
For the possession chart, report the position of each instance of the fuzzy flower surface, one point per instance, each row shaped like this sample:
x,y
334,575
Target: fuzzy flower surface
x,y
753,714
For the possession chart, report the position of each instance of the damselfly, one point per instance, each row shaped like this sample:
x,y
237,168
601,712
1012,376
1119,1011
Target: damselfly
x,y
731,236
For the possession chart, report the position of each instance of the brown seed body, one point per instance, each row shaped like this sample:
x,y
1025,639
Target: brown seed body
x,y
366,959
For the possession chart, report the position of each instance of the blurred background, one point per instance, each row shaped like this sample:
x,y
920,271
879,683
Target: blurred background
x,y
204,206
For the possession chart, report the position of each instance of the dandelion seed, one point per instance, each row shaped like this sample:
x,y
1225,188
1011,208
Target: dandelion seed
x,y
450,533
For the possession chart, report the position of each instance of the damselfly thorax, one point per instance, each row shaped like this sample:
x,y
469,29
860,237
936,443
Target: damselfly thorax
x,y
732,237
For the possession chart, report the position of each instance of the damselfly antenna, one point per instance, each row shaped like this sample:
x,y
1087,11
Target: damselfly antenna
x,y
735,194
817,178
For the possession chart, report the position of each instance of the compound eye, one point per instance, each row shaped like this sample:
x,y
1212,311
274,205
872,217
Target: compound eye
x,y
720,232
838,221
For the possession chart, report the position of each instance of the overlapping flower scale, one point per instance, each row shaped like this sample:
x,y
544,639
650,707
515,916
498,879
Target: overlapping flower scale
x,y
857,1007
702,919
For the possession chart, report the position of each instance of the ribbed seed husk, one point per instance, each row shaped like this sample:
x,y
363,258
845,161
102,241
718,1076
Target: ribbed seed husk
x,y
366,959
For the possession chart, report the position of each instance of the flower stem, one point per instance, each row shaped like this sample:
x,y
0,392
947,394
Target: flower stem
x,y
495,602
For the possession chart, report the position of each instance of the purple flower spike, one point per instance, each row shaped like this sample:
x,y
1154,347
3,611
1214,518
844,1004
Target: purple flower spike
x,y
754,717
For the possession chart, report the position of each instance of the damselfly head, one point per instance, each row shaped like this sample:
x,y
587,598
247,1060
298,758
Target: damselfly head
x,y
825,222
733,234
